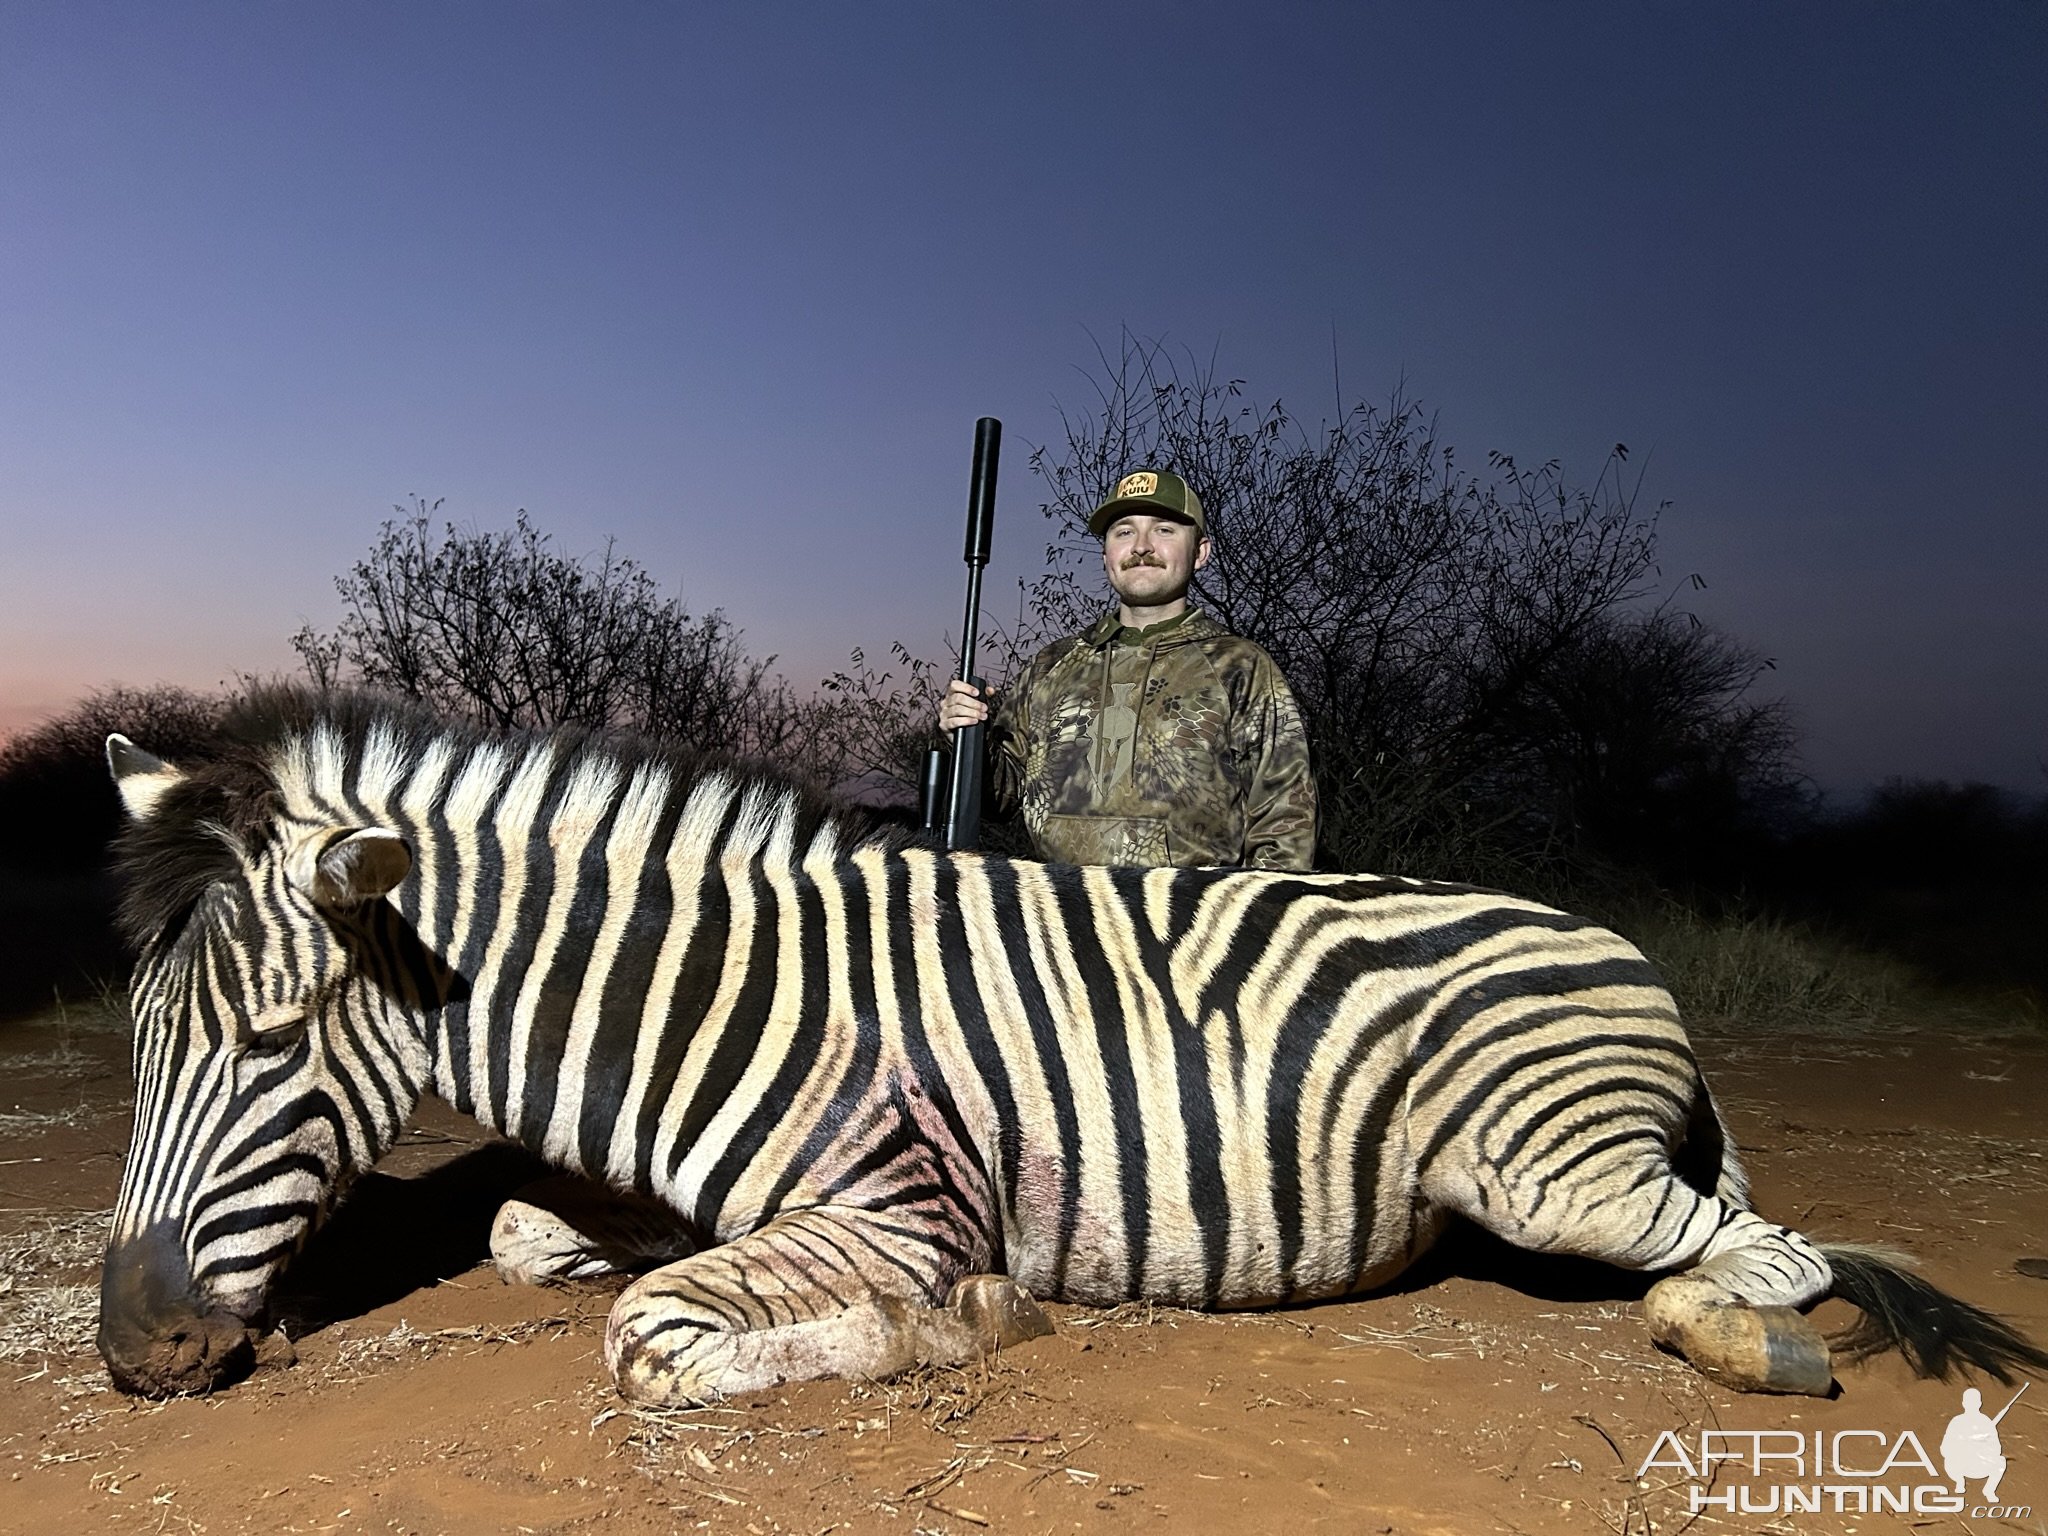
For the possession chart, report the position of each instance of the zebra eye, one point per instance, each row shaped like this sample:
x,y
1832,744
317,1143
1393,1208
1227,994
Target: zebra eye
x,y
279,1025
277,1043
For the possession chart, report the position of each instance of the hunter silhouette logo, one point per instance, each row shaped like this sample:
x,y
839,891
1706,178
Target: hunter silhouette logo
x,y
1847,1471
1970,1449
1143,483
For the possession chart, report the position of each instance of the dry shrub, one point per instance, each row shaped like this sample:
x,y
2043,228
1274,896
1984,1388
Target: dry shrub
x,y
1748,973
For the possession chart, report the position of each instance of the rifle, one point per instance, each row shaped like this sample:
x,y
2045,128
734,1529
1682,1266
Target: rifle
x,y
960,812
2015,1398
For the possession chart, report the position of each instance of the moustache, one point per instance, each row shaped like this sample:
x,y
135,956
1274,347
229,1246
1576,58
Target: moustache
x,y
1134,562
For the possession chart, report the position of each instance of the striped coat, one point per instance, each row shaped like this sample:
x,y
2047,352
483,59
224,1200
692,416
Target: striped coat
x,y
864,1079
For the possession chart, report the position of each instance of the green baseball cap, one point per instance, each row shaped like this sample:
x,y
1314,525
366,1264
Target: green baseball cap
x,y
1158,491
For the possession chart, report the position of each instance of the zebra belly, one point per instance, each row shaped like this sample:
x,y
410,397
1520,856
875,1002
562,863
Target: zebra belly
x,y
1268,1231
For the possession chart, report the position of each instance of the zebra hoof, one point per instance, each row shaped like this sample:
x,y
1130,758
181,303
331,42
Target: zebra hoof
x,y
1750,1349
1000,1311
567,1228
531,1245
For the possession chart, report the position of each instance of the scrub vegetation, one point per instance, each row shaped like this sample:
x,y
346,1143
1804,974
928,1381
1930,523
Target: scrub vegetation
x,y
507,630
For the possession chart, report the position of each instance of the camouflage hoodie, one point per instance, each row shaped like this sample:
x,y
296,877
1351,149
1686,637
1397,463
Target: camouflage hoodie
x,y
1175,744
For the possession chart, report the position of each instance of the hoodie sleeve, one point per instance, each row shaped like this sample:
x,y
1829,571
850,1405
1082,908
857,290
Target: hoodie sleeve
x,y
1004,746
1280,802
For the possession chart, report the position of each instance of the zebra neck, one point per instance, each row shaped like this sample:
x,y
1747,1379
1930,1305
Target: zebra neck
x,y
593,914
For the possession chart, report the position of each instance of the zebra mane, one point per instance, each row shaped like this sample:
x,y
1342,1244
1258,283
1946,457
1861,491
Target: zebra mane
x,y
227,803
198,835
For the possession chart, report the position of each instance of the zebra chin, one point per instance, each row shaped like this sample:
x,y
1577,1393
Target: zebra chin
x,y
158,1336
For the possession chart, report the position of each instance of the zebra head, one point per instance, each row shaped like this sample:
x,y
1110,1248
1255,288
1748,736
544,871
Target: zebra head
x,y
278,1050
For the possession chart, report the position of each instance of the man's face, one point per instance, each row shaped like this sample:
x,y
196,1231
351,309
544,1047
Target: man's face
x,y
1150,560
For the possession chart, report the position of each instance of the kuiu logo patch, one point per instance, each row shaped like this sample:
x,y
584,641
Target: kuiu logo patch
x,y
1143,483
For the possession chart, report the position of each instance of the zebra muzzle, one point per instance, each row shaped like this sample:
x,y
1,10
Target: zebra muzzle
x,y
157,1337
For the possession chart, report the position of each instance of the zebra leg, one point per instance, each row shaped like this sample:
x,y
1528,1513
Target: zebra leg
x,y
1732,1311
792,1302
567,1228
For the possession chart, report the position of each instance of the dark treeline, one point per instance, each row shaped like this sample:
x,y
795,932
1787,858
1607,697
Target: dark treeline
x,y
1950,877
58,816
1499,685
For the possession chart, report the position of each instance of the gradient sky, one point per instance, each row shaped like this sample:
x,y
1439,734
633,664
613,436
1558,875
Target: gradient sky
x,y
732,282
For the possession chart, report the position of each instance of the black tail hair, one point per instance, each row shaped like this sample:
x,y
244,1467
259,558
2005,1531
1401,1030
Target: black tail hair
x,y
1934,1331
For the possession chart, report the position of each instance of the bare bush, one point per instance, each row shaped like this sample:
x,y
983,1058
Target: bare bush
x,y
1639,743
876,723
1411,605
503,628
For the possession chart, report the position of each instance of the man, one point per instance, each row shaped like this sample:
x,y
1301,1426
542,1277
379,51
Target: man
x,y
1155,736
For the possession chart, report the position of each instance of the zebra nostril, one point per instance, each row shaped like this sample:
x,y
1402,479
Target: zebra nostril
x,y
199,1355
157,1336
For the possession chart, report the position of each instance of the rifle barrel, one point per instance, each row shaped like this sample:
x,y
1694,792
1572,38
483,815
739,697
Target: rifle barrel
x,y
981,524
963,802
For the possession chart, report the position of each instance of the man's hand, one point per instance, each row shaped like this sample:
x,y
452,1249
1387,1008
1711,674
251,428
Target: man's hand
x,y
962,705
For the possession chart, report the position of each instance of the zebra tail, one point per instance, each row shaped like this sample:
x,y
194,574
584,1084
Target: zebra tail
x,y
1934,1331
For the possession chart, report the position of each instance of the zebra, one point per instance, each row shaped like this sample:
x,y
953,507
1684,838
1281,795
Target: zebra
x,y
867,1102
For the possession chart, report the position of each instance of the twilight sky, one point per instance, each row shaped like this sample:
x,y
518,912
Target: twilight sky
x,y
731,283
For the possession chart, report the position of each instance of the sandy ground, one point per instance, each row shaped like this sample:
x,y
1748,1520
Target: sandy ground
x,y
1488,1393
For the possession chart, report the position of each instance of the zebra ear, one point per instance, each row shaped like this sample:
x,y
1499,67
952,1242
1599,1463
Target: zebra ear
x,y
341,868
140,778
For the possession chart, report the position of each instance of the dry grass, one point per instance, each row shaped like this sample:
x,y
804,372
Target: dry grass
x,y
1938,1168
45,1311
1434,1335
58,1061
53,1244
29,1122
106,1014
1748,975
58,1034
42,1321
956,1421
359,1356
944,1398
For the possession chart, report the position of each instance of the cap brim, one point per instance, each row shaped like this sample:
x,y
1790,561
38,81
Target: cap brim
x,y
1123,506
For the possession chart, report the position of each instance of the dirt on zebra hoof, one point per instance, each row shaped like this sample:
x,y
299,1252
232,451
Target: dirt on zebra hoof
x,y
1000,1311
2035,1268
1749,1349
